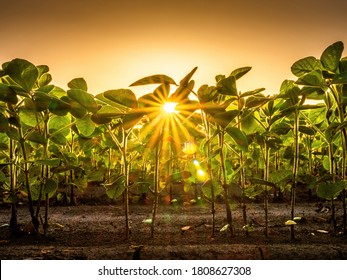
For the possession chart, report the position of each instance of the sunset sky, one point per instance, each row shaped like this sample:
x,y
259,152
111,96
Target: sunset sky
x,y
112,43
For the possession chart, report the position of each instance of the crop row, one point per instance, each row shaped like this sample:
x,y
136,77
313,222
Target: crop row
x,y
225,141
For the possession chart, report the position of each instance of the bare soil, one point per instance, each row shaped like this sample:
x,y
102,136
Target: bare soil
x,y
97,232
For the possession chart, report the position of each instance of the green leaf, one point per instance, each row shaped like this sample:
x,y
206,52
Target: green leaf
x,y
313,79
207,93
50,187
224,118
124,97
281,128
13,134
59,107
61,123
131,119
207,189
85,126
44,79
27,117
239,137
227,86
331,56
7,94
154,79
76,109
256,101
4,125
340,78
184,82
305,65
36,137
330,190
307,130
83,98
239,72
78,83
23,72
116,188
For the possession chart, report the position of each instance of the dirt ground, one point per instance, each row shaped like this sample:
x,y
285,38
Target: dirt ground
x,y
97,232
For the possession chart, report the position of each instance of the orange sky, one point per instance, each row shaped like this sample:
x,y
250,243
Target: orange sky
x,y
112,43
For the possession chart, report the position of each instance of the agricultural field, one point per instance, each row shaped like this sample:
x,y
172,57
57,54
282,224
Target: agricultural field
x,y
178,173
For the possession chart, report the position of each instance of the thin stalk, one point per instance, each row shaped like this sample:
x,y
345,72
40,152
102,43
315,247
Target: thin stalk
x,y
126,182
13,182
156,188
295,169
224,183
34,219
266,196
207,127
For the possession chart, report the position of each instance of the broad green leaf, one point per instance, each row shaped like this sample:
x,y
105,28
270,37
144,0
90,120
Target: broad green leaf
x,y
76,109
249,124
305,65
281,128
340,78
4,125
13,134
50,187
28,117
36,137
124,97
181,94
85,126
256,101
116,188
184,82
78,83
59,107
239,72
23,72
239,137
253,93
307,130
207,189
227,86
224,118
59,123
207,93
58,138
330,190
83,98
331,56
131,119
313,79
44,80
7,94
154,79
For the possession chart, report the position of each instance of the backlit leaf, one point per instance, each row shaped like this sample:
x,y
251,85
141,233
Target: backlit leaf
x,y
154,79
23,72
227,86
239,72
239,137
331,56
124,97
305,65
78,83
83,98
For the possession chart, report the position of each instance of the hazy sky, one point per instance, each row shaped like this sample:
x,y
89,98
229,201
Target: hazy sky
x,y
112,43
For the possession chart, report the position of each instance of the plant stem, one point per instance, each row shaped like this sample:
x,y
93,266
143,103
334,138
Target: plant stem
x,y
224,183
156,187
